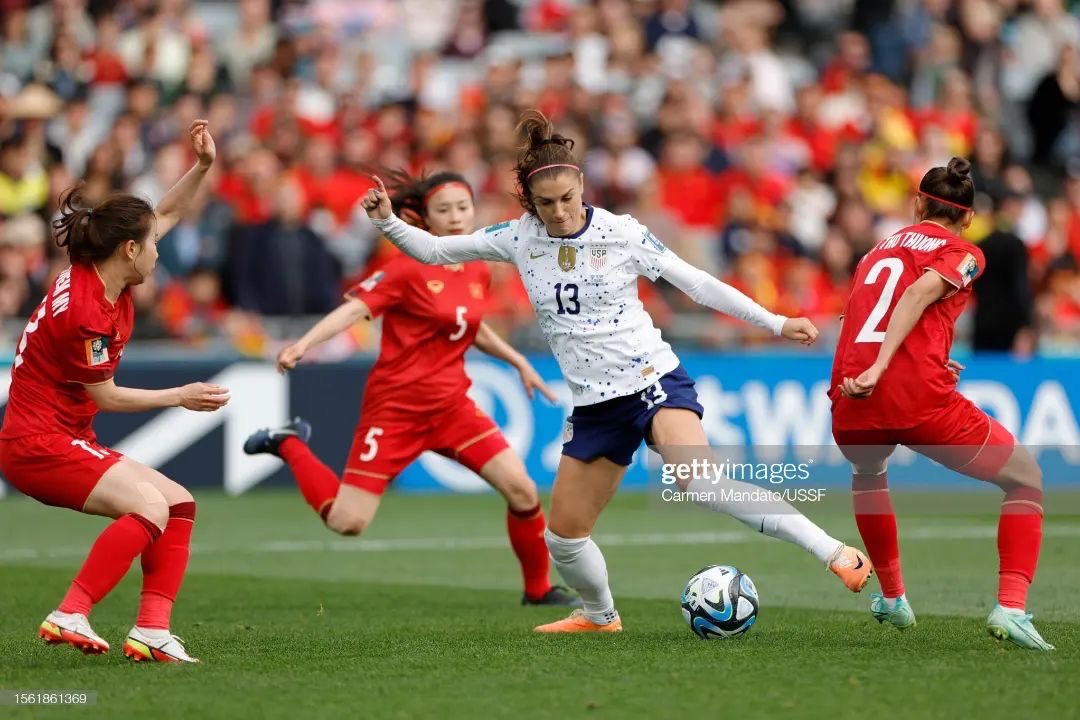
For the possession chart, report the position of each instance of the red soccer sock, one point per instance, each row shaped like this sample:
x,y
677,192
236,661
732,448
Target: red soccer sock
x,y
108,561
1019,538
318,483
164,564
526,531
876,520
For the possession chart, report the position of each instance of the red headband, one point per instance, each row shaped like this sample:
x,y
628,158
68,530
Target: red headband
x,y
548,167
943,201
443,186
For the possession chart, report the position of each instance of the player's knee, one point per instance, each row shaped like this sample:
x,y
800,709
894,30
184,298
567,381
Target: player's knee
x,y
1020,471
155,510
521,493
562,549
345,523
180,494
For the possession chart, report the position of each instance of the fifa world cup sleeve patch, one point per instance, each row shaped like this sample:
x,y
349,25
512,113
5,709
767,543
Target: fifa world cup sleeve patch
x,y
968,269
369,284
97,351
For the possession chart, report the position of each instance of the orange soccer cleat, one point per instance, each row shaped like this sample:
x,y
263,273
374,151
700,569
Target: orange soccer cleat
x,y
578,623
73,629
852,567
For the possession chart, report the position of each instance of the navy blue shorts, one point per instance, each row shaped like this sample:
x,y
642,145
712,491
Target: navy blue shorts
x,y
615,428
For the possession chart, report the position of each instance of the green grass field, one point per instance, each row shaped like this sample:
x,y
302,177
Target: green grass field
x,y
420,619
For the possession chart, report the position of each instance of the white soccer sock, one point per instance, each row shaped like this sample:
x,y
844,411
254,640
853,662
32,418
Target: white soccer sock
x,y
581,566
775,518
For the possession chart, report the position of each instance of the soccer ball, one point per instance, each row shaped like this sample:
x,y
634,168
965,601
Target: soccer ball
x,y
720,601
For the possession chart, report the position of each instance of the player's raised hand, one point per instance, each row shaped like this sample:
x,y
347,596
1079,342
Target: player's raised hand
x,y
203,397
289,357
532,381
863,385
376,201
955,368
202,142
801,330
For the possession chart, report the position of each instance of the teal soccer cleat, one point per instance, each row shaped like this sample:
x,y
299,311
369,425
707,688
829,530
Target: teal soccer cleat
x,y
1015,626
900,617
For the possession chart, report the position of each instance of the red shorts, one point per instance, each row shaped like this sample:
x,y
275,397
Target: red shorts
x,y
384,446
55,469
960,436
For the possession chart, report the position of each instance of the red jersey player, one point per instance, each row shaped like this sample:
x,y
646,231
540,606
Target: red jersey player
x,y
61,377
415,396
894,384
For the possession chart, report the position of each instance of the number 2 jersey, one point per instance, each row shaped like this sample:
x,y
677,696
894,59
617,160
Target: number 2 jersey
x,y
917,382
74,338
430,318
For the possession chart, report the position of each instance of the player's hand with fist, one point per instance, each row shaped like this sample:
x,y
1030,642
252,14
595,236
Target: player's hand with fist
x,y
203,397
288,358
801,330
202,142
376,201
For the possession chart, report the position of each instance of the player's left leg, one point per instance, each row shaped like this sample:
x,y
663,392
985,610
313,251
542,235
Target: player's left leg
x,y
164,565
676,433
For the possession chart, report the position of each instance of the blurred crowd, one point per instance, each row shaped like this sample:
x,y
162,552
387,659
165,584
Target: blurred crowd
x,y
771,142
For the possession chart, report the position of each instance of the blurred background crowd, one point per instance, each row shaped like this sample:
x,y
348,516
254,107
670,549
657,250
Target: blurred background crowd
x,y
771,142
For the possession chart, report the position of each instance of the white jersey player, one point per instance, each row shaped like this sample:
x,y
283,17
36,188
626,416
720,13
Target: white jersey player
x,y
580,265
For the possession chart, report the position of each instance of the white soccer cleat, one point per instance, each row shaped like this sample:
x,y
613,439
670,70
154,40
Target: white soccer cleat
x,y
155,646
73,629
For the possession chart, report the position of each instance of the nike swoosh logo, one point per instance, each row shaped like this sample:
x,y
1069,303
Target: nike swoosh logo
x,y
533,256
860,564
762,524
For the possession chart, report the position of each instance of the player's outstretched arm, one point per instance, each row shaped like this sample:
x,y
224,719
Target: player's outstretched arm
x,y
918,296
704,289
430,249
110,397
489,342
336,321
176,202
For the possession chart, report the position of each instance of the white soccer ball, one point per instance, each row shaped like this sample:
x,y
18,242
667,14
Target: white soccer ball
x,y
720,601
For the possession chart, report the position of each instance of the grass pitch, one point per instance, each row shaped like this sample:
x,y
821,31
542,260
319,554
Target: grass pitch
x,y
420,619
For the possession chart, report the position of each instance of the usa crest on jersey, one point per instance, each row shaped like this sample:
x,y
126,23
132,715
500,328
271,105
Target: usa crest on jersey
x,y
598,258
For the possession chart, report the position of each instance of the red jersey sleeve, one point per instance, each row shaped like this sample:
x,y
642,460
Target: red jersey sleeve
x,y
958,265
384,288
92,352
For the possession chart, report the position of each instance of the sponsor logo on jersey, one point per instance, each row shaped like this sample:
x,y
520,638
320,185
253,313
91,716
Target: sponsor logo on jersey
x,y
369,284
968,269
476,290
435,286
534,255
598,258
567,257
97,351
651,239
497,227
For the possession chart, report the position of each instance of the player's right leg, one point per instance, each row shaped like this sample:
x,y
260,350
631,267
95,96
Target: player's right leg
x,y
582,489
967,440
677,434
86,477
381,448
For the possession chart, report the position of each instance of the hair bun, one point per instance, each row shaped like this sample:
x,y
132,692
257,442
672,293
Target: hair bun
x,y
959,169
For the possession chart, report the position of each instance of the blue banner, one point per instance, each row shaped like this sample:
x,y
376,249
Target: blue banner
x,y
758,403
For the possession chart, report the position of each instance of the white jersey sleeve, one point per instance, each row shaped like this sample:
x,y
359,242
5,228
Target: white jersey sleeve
x,y
706,290
650,256
495,242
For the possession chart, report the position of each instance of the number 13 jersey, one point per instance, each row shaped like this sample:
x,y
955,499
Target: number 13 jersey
x,y
584,290
917,383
